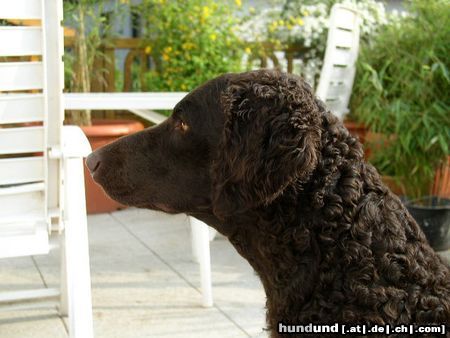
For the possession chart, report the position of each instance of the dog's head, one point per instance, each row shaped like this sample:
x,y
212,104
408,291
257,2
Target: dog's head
x,y
232,144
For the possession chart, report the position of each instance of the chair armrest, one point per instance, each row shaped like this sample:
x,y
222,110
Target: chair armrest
x,y
74,142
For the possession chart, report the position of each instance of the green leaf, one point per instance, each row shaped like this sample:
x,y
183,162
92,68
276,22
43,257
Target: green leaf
x,y
444,143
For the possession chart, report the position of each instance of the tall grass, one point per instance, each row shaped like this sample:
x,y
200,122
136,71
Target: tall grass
x,y
402,90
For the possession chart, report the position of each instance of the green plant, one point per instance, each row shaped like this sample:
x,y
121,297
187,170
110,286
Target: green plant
x,y
190,42
402,90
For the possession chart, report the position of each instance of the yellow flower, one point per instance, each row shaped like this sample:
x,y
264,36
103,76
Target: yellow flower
x,y
213,36
252,10
148,50
167,50
273,26
281,22
300,22
165,57
188,45
206,12
183,86
289,26
238,3
247,50
305,13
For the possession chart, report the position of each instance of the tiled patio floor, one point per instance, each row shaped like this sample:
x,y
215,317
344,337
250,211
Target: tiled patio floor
x,y
144,284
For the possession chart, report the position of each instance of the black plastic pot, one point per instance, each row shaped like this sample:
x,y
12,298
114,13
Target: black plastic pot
x,y
432,213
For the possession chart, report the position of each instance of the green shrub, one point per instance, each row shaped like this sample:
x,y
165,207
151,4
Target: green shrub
x,y
402,89
190,42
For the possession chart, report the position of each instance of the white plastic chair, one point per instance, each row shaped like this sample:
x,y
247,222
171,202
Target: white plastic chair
x,y
339,67
41,169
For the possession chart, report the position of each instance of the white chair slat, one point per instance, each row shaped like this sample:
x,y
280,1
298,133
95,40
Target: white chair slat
x,y
24,240
346,19
20,9
18,108
14,228
21,170
21,188
21,140
19,41
336,89
18,220
338,73
344,38
22,203
341,87
21,75
336,104
342,57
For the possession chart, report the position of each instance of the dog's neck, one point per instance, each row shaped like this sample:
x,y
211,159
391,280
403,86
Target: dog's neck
x,y
285,247
289,276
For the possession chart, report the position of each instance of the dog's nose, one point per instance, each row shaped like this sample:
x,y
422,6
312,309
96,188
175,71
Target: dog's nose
x,y
93,161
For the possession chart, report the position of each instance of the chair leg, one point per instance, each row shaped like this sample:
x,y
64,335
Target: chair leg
x,y
200,249
195,237
63,301
76,251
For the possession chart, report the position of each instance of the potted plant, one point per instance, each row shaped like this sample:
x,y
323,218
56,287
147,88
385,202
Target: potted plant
x,y
402,92
92,31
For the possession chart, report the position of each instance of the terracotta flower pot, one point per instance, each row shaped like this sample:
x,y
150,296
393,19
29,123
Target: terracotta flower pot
x,y
356,129
441,184
394,185
360,131
99,134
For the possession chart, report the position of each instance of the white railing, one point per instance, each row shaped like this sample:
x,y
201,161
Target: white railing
x,y
141,104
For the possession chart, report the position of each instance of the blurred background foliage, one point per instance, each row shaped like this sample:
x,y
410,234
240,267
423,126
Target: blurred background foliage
x,y
401,89
190,41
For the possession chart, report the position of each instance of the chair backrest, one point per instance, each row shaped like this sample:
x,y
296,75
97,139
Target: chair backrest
x,y
339,66
31,118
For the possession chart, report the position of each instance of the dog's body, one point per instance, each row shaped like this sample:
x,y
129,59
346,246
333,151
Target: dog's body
x,y
259,158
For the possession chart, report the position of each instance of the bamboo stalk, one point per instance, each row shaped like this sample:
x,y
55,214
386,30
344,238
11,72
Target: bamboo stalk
x,y
82,83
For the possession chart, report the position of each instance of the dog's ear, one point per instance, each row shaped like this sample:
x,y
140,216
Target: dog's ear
x,y
270,140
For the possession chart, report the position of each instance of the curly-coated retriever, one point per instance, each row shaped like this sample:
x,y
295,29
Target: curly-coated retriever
x,y
259,158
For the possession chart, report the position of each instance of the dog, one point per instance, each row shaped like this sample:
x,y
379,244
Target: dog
x,y
259,158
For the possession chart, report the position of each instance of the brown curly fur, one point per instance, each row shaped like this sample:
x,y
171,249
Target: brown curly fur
x,y
329,241
265,163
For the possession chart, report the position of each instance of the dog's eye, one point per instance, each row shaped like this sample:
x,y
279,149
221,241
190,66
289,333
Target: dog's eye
x,y
181,125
